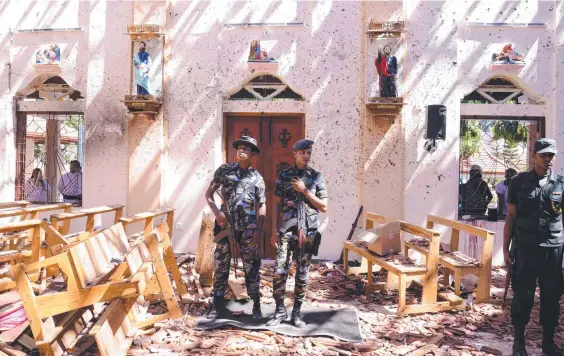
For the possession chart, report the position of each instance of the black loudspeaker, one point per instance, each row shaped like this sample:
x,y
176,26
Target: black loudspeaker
x,y
436,122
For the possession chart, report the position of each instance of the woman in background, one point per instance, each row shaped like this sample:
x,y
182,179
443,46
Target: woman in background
x,y
36,187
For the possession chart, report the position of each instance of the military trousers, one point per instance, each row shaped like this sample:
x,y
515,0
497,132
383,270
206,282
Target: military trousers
x,y
288,249
534,263
249,253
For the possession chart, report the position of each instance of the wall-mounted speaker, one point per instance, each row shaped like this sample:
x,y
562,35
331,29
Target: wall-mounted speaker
x,y
436,122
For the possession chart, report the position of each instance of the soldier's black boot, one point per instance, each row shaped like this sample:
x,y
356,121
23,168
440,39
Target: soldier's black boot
x,y
297,319
549,348
257,313
212,312
280,313
519,341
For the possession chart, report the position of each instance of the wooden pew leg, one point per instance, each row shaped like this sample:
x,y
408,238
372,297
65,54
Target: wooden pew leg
x,y
402,293
174,311
483,293
392,281
346,260
457,281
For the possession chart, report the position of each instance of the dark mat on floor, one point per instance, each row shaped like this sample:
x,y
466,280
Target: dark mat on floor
x,y
340,323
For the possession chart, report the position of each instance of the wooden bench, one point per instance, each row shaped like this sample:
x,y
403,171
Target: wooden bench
x,y
14,204
21,232
459,264
400,274
90,214
164,231
103,268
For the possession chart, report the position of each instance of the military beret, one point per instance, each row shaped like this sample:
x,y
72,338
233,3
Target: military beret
x,y
545,145
302,145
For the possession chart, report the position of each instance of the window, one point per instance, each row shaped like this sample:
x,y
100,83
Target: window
x,y
49,157
265,87
489,146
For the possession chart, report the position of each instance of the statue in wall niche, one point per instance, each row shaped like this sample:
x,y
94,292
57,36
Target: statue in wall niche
x,y
258,54
387,68
508,55
142,62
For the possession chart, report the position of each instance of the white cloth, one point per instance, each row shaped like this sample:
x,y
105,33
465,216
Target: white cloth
x,y
36,192
501,189
70,184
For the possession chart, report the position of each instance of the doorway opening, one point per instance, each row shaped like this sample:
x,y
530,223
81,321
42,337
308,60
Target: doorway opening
x,y
275,135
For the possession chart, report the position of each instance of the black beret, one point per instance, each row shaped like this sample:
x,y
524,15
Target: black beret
x,y
302,145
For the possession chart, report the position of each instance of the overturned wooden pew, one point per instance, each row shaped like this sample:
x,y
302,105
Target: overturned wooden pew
x,y
164,231
104,268
402,274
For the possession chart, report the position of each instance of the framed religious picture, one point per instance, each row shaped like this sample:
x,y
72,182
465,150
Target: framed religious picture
x,y
48,54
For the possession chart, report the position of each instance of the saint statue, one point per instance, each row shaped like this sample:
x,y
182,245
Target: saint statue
x,y
142,63
508,55
387,68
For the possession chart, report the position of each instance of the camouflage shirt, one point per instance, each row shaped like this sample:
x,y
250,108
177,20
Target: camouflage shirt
x,y
314,182
233,182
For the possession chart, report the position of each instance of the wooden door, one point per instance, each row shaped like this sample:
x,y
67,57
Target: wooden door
x,y
275,137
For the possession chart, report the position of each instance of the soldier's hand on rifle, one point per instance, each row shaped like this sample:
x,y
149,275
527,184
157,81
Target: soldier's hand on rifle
x,y
298,185
221,219
507,257
274,240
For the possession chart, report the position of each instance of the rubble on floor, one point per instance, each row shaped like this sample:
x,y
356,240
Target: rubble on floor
x,y
481,329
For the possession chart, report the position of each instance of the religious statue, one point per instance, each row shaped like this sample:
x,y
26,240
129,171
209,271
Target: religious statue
x,y
142,62
508,56
258,54
387,68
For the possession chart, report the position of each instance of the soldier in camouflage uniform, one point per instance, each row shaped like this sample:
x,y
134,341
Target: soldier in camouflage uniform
x,y
244,199
299,184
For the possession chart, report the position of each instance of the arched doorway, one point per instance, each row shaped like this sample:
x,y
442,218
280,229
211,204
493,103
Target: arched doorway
x,y
49,136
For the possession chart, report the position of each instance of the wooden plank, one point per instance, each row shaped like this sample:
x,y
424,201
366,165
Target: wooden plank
x,y
20,226
66,301
26,341
14,204
148,214
473,230
30,306
33,210
86,212
382,262
162,276
204,262
238,288
425,308
169,259
11,335
10,351
112,329
485,277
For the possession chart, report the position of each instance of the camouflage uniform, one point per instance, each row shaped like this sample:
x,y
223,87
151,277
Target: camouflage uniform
x,y
233,182
288,245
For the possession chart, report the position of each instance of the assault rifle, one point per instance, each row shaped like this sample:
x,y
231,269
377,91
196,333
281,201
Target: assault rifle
x,y
510,268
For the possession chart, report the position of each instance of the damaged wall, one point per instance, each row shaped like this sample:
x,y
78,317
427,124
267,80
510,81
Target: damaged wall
x,y
317,60
365,159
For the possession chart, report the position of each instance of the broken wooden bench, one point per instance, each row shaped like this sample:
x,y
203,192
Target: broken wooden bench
x,y
103,268
402,273
458,263
165,231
